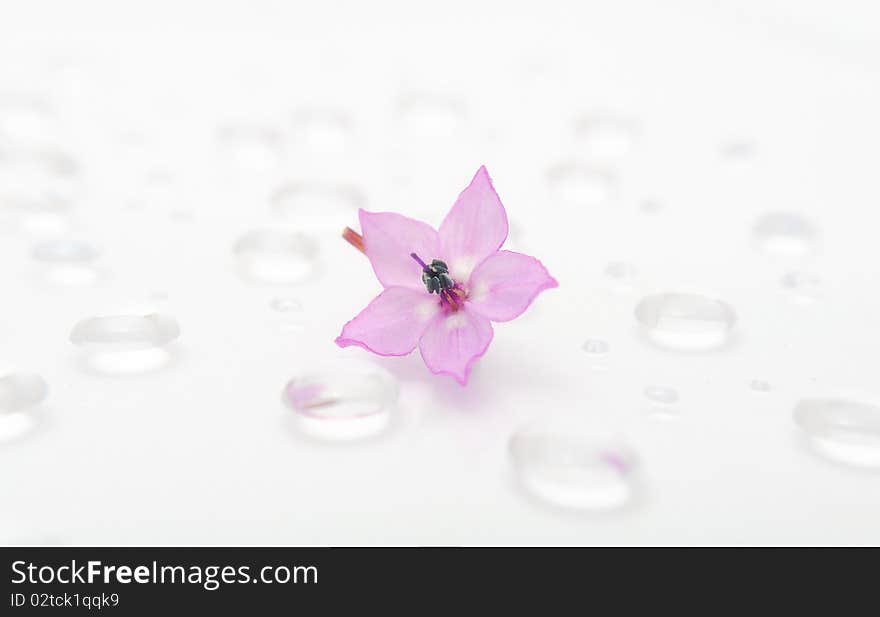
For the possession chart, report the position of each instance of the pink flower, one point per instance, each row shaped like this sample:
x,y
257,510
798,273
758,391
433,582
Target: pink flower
x,y
443,288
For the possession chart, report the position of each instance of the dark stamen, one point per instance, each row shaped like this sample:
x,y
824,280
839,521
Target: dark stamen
x,y
436,276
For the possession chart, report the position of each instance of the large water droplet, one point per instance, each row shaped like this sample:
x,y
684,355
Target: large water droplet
x,y
276,257
606,137
119,344
842,430
784,234
686,322
579,185
20,394
564,470
342,402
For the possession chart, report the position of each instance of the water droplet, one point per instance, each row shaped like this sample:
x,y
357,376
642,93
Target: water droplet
x,y
343,402
36,188
685,322
20,394
738,150
252,147
622,275
67,261
428,116
118,344
784,234
803,287
578,185
596,347
322,130
276,257
759,385
310,203
290,311
573,472
842,430
606,137
286,305
661,395
64,251
650,206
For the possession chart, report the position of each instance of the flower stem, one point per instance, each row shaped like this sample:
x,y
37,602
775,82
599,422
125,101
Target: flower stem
x,y
354,239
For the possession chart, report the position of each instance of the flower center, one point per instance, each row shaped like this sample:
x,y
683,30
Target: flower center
x,y
436,278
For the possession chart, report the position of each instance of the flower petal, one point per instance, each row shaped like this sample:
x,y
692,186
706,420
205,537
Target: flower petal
x,y
504,285
453,342
475,228
388,241
392,323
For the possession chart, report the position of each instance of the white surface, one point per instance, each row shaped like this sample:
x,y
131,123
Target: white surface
x,y
203,452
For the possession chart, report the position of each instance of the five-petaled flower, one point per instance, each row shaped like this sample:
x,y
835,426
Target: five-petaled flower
x,y
443,288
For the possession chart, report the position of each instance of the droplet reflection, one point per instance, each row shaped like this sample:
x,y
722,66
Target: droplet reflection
x,y
566,471
344,402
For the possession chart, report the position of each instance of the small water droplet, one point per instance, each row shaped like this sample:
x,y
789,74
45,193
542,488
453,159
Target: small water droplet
x,y
661,395
759,385
310,203
803,287
579,185
573,472
650,206
425,115
785,234
119,344
290,311
276,257
252,147
841,430
322,130
685,322
20,394
622,275
606,137
344,402
64,251
738,150
286,305
596,347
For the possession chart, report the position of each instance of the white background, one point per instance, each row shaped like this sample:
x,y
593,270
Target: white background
x,y
202,452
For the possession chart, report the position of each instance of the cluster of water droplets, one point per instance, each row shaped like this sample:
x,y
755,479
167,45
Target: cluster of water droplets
x,y
346,402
